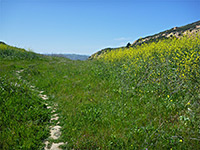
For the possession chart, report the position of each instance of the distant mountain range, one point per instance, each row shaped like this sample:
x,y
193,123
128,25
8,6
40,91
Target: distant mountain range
x,y
173,32
70,56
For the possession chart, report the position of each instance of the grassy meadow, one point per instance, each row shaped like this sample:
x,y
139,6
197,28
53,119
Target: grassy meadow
x,y
143,97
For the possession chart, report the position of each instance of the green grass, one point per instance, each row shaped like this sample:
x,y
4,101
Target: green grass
x,y
13,53
101,105
24,117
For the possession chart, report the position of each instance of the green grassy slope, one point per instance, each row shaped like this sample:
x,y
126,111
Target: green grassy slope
x,y
23,115
14,53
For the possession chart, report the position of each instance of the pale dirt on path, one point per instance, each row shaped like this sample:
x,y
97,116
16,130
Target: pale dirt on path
x,y
54,130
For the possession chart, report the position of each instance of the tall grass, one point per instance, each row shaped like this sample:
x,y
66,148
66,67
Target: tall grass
x,y
23,116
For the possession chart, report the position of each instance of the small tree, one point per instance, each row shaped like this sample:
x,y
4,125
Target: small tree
x,y
2,43
128,45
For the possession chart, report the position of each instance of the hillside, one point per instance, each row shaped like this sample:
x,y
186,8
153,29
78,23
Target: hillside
x,y
14,53
138,97
22,112
159,82
173,32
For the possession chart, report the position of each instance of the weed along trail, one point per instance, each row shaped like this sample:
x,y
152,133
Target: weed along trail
x,y
55,132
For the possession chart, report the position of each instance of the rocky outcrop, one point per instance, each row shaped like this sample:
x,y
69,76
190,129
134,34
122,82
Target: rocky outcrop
x,y
173,32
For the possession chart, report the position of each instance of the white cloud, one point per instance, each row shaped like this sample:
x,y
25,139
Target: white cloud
x,y
122,39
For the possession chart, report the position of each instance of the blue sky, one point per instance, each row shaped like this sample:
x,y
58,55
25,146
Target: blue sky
x,y
86,26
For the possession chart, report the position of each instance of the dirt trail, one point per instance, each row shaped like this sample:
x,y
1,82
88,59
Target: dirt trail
x,y
54,130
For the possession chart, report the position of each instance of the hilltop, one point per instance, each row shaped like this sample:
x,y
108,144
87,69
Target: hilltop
x,y
8,51
15,53
173,32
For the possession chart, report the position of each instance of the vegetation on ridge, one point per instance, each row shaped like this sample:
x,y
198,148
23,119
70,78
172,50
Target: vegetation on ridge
x,y
14,53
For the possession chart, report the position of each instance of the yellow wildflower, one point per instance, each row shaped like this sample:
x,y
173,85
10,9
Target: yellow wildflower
x,y
188,103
